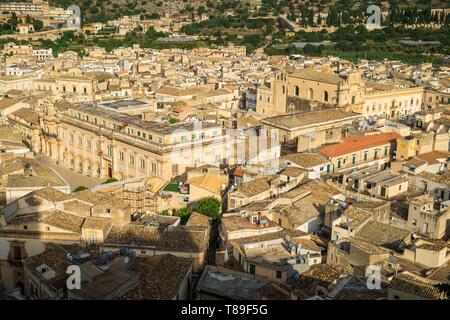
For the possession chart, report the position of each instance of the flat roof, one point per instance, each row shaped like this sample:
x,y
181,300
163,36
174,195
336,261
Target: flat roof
x,y
312,75
123,104
230,284
154,126
303,119
276,255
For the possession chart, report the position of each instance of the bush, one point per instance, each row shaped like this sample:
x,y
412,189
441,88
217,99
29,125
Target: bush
x,y
80,188
208,206
110,180
38,25
184,215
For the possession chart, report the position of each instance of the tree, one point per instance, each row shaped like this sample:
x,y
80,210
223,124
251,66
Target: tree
x,y
208,206
201,10
94,10
38,25
13,21
344,45
184,214
151,34
80,188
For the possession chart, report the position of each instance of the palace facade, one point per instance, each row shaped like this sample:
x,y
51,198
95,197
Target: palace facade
x,y
349,91
104,143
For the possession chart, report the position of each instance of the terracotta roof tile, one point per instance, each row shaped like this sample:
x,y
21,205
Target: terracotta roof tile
x,y
411,284
358,143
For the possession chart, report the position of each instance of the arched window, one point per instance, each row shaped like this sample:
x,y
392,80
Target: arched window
x,y
284,89
310,94
297,91
325,96
353,99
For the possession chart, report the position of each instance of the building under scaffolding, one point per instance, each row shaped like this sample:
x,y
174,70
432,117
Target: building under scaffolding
x,y
142,194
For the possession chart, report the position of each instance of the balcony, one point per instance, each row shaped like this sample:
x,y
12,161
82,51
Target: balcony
x,y
361,163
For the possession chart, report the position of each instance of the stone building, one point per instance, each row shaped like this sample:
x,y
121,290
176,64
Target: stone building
x,y
104,143
348,91
309,129
51,216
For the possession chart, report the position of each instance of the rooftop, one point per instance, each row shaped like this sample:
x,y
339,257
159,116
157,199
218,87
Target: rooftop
x,y
311,205
312,75
433,157
236,223
28,115
8,102
274,255
358,143
382,234
41,176
55,257
255,187
158,127
211,183
354,217
422,199
306,159
180,238
270,236
229,284
198,220
96,198
443,177
123,104
319,274
160,277
409,283
368,247
311,118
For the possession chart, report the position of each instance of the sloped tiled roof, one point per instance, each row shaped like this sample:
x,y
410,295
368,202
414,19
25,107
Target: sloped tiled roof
x,y
358,143
410,284
161,277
